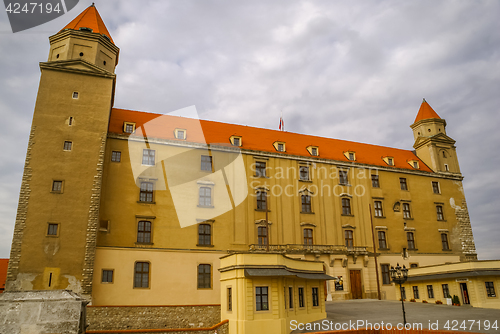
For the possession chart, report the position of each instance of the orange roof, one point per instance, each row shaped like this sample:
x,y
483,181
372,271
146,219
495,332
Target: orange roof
x,y
3,272
89,18
258,139
426,112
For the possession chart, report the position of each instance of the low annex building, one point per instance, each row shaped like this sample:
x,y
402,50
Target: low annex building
x,y
135,209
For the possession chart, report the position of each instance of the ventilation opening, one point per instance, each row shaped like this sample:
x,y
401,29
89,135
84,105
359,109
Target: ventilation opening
x,y
70,122
50,280
81,55
85,29
57,55
104,62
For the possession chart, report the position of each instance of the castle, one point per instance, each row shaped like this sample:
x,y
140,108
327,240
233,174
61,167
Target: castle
x,y
131,208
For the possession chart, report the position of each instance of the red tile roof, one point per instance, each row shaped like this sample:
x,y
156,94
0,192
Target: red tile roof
x,y
3,273
426,112
258,139
89,18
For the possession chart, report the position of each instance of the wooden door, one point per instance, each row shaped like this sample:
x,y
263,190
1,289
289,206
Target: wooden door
x,y
356,290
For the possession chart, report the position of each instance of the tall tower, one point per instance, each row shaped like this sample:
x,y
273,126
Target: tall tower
x,y
55,233
432,145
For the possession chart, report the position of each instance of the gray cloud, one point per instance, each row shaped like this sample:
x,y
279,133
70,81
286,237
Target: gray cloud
x,y
354,71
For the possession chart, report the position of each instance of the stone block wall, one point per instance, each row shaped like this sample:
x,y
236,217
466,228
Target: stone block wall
x,y
152,317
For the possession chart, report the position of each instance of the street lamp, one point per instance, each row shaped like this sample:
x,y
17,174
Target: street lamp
x,y
400,275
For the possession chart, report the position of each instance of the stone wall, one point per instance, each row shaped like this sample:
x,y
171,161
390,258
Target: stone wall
x,y
22,211
93,222
220,328
152,317
466,237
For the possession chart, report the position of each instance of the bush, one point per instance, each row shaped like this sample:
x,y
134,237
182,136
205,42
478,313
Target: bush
x,y
424,301
413,300
439,302
455,300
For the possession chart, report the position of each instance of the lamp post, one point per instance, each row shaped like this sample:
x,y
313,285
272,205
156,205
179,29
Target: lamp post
x,y
400,275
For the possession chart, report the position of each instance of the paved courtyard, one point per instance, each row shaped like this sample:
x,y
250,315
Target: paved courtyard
x,y
347,313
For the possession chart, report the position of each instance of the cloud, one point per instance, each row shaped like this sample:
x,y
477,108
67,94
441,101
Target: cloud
x,y
354,71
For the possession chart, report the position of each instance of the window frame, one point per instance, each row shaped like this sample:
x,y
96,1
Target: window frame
x,y
306,175
382,242
201,283
116,156
315,296
416,293
229,298
146,188
58,190
206,165
436,188
306,203
203,197
75,95
386,274
410,240
142,273
490,290
439,212
406,210
260,169
343,177
126,128
49,229
300,292
308,236
290,298
147,157
202,237
430,291
103,276
262,239
346,206
177,133
261,203
445,242
378,209
446,291
349,238
259,296
375,181
403,183
68,146
144,233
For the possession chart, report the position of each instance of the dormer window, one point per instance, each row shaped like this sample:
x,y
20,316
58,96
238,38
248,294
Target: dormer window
x,y
313,150
86,29
414,164
128,127
180,134
279,146
350,155
235,140
389,160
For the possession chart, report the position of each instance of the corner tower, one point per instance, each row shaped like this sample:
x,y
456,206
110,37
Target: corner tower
x,y
54,237
432,145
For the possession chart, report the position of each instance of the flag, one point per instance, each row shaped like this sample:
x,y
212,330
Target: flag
x,y
282,123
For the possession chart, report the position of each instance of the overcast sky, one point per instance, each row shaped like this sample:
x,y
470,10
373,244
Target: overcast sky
x,y
342,69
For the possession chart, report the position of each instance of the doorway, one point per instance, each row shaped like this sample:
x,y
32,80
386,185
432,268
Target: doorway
x,y
465,294
356,290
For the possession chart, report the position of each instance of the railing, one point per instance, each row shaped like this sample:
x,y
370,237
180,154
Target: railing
x,y
303,249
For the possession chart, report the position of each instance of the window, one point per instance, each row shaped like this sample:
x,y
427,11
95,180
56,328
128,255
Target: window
x,y
386,276
377,205
415,292
262,235
107,276
206,163
406,210
351,156
129,127
290,297
446,168
315,297
144,232
261,200
116,156
308,236
403,293
236,141
57,186
67,145
446,291
104,225
281,147
415,164
382,242
229,299
346,206
343,177
261,298
490,289
260,168
205,196
444,241
349,241
390,161
314,151
141,277
439,212
435,187
52,229
411,240
70,121
204,276
304,173
301,297
306,203
375,181
146,193
205,234
402,182
413,265
430,291
180,134
148,157
75,95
